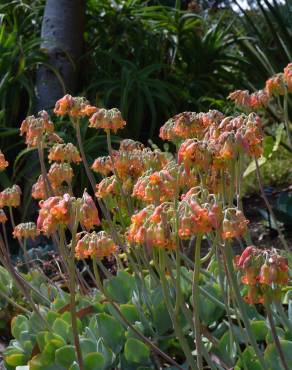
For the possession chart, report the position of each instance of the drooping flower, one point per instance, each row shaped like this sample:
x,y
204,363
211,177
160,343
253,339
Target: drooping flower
x,y
3,162
53,212
187,180
137,220
129,145
26,230
240,97
64,153
288,76
95,245
37,129
102,165
251,276
224,152
250,136
128,163
153,227
264,275
234,224
244,99
264,272
107,186
194,154
59,173
245,256
107,119
74,107
10,197
66,210
157,187
39,189
195,218
188,125
259,99
3,217
89,212
275,85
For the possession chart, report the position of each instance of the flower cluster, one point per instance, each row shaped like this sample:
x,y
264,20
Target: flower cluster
x,y
131,160
220,144
74,107
157,187
65,210
194,153
60,173
107,119
160,186
242,132
129,163
264,271
208,143
64,153
189,125
197,218
10,197
288,76
153,227
129,145
274,86
38,129
38,190
234,224
94,245
125,163
107,186
54,211
103,165
3,162
187,179
255,100
26,230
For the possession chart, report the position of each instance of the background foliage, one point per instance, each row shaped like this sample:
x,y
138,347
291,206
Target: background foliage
x,y
150,59
155,61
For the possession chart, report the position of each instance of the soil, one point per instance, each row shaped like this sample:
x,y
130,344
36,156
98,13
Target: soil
x,y
262,235
2,348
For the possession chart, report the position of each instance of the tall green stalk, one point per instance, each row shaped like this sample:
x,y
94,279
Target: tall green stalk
x,y
160,264
72,288
286,118
195,300
275,336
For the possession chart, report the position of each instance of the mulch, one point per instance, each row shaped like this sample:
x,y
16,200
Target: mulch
x,y
261,234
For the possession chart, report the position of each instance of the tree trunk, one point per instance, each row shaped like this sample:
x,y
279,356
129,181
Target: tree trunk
x,y
62,35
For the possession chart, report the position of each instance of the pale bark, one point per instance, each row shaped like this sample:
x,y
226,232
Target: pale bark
x,y
62,35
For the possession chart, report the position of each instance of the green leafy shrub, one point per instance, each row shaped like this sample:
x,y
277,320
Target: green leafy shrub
x,y
162,60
